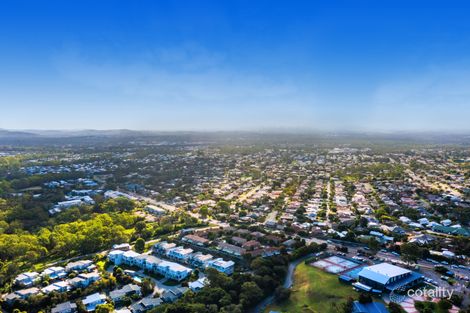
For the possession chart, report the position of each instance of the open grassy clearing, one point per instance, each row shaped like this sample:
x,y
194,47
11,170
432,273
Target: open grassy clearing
x,y
314,291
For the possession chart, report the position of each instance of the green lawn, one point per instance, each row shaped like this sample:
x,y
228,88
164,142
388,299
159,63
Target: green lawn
x,y
314,291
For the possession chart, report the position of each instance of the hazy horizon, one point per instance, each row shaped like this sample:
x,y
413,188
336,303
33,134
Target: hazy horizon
x,y
235,66
267,131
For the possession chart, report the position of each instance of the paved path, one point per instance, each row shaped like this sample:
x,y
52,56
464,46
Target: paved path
x,y
288,281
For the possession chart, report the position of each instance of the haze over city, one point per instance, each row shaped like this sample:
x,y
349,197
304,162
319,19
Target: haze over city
x,y
235,65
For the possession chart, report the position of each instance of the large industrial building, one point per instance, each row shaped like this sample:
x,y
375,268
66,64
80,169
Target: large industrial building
x,y
386,278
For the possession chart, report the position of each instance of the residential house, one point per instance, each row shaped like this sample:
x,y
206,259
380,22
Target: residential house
x,y
148,262
423,221
93,300
79,266
163,247
456,231
242,232
171,295
130,257
404,219
27,279
155,210
231,249
173,270
397,230
238,240
111,194
270,223
199,259
198,284
145,305
251,245
116,256
423,239
22,294
195,240
126,291
180,253
65,307
257,234
222,266
84,280
273,239
446,222
415,225
54,272
265,252
381,237
290,243
61,286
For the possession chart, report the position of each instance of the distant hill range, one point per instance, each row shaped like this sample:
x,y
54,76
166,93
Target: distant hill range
x,y
65,137
85,133
11,133
61,137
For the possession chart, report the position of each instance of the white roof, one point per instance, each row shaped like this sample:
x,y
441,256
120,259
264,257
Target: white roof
x,y
79,263
50,288
53,269
116,252
25,275
122,245
62,284
200,283
202,257
150,259
28,291
94,298
220,262
175,267
382,272
69,202
165,245
90,275
182,250
131,254
448,253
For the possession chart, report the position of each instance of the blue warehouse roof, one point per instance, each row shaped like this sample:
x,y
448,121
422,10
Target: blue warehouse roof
x,y
373,307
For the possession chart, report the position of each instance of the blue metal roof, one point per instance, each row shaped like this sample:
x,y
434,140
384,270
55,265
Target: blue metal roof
x,y
405,281
373,307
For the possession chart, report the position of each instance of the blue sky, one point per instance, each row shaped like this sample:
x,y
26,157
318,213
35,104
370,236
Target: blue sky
x,y
228,65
